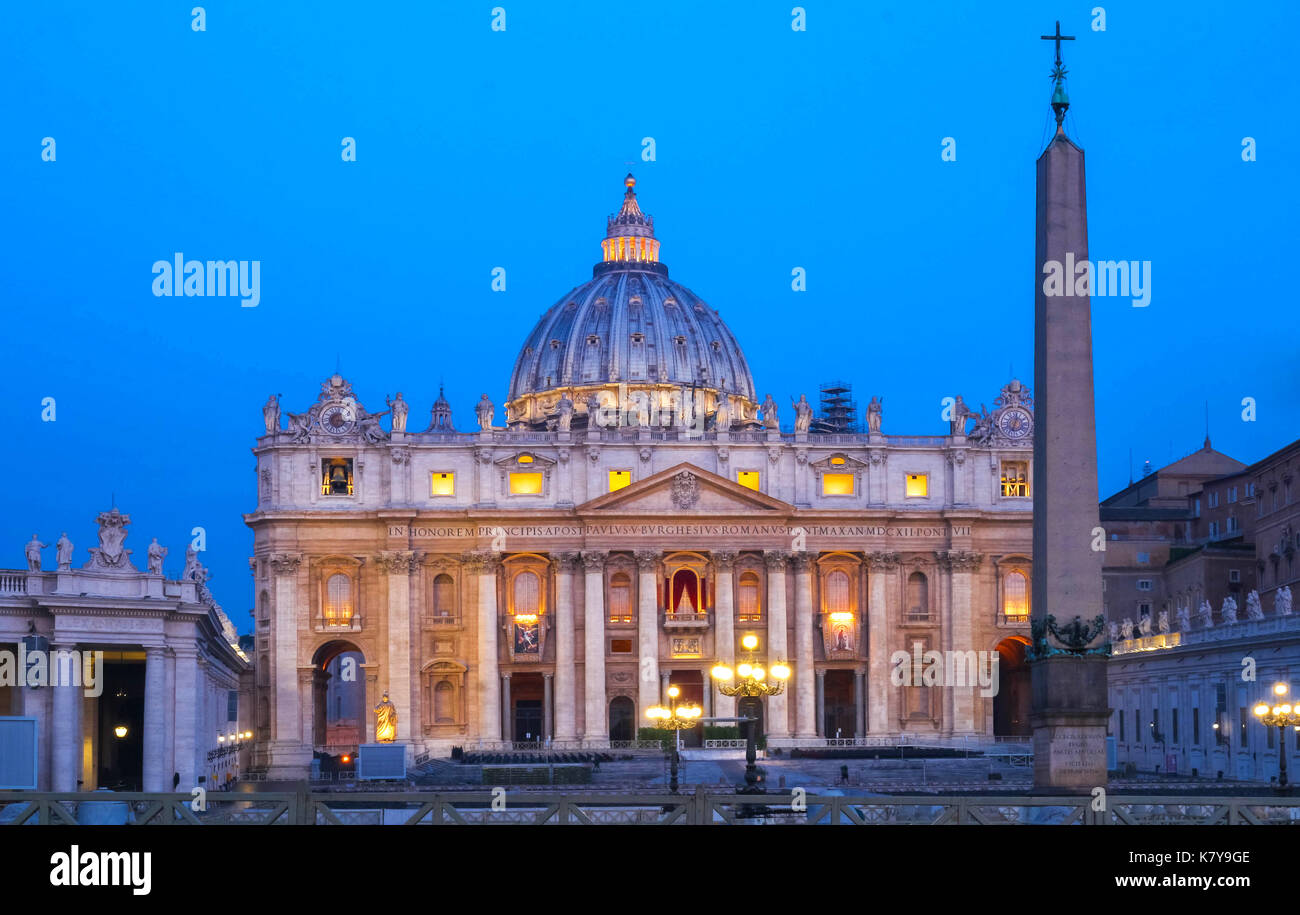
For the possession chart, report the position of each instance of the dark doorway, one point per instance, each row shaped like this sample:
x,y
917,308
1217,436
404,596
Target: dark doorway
x,y
622,719
121,711
527,692
1011,704
528,719
840,718
690,683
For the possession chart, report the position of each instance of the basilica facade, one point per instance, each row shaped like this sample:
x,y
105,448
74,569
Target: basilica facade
x,y
639,513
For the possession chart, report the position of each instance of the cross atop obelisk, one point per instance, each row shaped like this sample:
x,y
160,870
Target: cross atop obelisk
x,y
1060,100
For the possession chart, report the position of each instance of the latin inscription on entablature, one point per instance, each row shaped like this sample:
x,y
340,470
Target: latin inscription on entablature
x,y
721,529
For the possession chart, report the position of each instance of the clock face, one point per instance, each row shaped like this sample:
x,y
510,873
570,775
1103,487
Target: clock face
x,y
337,419
1015,423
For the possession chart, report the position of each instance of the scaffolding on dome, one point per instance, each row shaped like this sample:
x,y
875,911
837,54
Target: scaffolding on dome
x,y
838,411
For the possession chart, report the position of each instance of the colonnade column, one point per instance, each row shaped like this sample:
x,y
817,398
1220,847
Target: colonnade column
x,y
808,714
565,649
287,730
156,732
724,631
647,631
187,715
67,722
397,566
821,703
778,717
594,647
881,566
859,703
548,703
485,566
507,720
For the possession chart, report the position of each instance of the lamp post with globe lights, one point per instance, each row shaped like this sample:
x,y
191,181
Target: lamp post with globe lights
x,y
1281,715
675,718
751,679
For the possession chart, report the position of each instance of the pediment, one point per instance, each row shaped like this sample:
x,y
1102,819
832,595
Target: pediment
x,y
685,489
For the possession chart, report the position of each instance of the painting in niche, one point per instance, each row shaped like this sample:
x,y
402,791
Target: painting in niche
x,y
842,638
526,638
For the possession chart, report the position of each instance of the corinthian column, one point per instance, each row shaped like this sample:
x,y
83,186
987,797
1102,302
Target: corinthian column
x,y
565,657
961,565
67,723
156,736
287,735
647,630
806,716
724,628
881,566
397,566
778,717
594,729
485,566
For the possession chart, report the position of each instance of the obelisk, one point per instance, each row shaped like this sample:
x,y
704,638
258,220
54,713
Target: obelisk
x,y
1068,675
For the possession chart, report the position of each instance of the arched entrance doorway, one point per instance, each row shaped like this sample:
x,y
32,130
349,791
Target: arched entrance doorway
x,y
338,699
622,719
1011,704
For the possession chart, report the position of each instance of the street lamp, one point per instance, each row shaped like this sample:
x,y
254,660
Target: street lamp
x,y
675,718
1281,716
753,682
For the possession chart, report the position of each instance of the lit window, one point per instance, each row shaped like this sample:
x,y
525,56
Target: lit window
x,y
620,646
837,484
338,601
336,477
619,478
918,485
748,478
443,484
620,598
525,483
748,607
838,460
1015,596
525,459
1015,479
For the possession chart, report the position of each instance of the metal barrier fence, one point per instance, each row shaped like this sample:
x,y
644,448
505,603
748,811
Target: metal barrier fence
x,y
701,806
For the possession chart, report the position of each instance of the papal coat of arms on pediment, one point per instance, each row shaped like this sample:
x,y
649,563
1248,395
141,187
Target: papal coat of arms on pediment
x,y
685,490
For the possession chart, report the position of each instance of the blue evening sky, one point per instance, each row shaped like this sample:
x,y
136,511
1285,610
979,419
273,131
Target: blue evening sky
x,y
775,149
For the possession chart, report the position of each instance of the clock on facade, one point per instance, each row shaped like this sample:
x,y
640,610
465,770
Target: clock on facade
x,y
1015,423
338,419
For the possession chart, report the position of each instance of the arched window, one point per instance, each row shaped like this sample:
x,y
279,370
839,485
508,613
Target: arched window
x,y
620,598
747,598
686,592
837,593
338,600
1015,599
527,594
918,596
444,596
444,695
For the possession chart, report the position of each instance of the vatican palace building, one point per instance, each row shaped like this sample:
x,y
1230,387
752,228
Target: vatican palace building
x,y
630,513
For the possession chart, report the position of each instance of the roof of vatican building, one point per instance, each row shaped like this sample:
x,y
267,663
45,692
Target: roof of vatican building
x,y
630,324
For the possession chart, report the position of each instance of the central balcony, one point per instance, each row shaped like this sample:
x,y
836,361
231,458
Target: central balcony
x,y
686,619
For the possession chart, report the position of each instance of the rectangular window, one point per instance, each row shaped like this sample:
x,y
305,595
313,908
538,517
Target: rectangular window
x,y
1214,528
1214,500
1144,609
1144,559
1015,479
1173,724
620,646
1220,713
232,705
336,477
442,483
748,478
1244,714
618,479
918,485
525,483
1234,575
1232,523
1196,727
1121,725
1232,494
1144,584
837,484
1196,508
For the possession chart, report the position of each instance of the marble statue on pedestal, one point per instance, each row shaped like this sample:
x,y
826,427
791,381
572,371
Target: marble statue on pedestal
x,y
34,547
1162,622
770,420
192,566
960,412
1144,625
1253,609
722,418
1206,613
271,414
156,554
564,412
875,411
803,414
1184,619
385,721
399,408
1282,601
485,410
1229,610
64,548
1126,629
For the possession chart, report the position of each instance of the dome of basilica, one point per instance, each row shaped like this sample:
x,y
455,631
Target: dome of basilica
x,y
628,329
